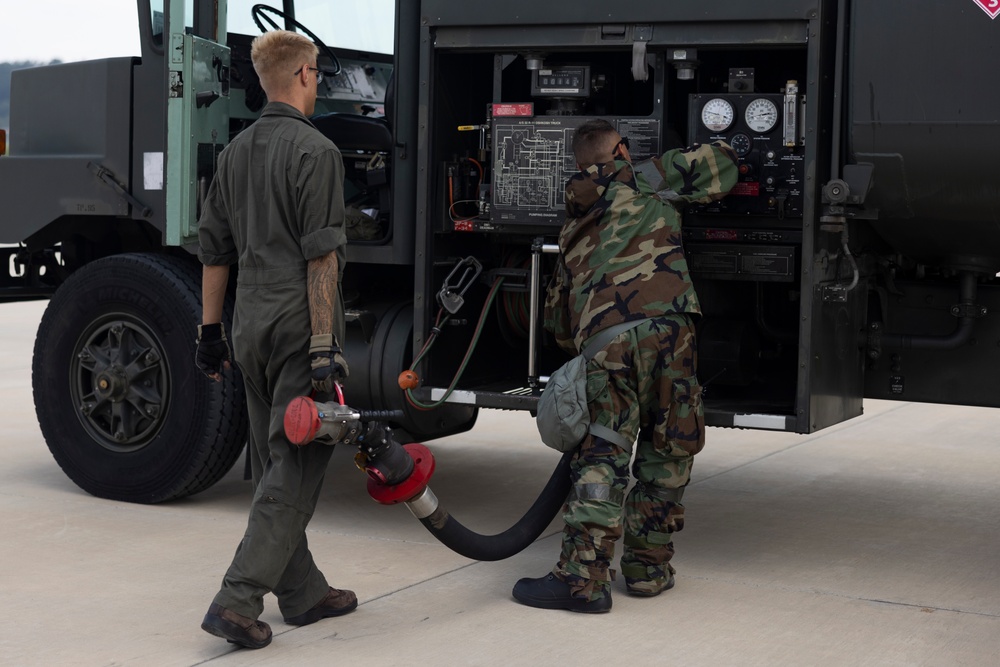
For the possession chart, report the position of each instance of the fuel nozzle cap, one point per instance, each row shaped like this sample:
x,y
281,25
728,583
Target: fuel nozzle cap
x,y
409,488
302,421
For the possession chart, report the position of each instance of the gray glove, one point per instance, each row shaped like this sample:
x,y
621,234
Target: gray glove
x,y
327,362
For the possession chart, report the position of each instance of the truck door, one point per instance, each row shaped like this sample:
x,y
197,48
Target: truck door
x,y
197,64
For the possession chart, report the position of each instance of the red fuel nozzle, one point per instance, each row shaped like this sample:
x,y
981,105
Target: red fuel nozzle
x,y
412,486
380,455
306,421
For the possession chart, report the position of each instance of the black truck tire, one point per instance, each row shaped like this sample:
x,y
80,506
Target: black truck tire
x,y
121,405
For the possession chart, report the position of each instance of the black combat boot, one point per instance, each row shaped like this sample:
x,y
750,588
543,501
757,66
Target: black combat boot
x,y
550,592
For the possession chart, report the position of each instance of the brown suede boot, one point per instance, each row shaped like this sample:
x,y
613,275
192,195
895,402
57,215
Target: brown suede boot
x,y
235,628
336,603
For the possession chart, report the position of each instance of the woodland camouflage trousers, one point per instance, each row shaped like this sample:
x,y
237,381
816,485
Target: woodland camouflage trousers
x,y
643,386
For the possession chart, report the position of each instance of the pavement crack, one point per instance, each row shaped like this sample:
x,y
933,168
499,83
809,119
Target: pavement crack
x,y
419,583
844,596
924,607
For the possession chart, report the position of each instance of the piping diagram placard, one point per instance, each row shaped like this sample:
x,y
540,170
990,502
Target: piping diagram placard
x,y
533,159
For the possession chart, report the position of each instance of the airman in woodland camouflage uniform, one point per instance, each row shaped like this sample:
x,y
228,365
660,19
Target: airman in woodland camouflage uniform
x,y
622,261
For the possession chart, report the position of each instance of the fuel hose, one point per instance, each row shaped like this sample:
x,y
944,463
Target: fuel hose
x,y
401,474
450,532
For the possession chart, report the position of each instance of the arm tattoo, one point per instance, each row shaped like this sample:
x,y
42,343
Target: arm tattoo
x,y
322,292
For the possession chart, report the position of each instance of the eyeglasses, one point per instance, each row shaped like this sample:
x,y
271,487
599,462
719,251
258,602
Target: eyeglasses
x,y
319,75
622,142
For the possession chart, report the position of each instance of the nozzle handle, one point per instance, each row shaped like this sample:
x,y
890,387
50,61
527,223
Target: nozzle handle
x,y
380,415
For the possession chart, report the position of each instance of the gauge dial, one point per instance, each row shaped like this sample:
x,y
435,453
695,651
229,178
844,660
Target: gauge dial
x,y
761,115
717,114
741,144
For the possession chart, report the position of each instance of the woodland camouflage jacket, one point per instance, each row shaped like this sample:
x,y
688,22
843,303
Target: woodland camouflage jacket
x,y
621,255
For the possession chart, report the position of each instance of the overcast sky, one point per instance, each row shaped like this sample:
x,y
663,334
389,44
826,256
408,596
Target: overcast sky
x,y
69,30
72,29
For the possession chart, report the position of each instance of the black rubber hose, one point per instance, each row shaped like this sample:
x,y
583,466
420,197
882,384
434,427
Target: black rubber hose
x,y
515,539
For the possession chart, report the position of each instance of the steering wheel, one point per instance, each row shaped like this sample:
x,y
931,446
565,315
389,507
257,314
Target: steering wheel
x,y
257,12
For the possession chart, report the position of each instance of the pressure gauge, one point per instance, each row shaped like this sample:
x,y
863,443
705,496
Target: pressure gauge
x,y
741,144
717,114
761,115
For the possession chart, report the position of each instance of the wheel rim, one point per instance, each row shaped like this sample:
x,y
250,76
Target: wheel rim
x,y
120,382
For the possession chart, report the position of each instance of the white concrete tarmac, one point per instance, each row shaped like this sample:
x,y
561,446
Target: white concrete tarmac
x,y
875,542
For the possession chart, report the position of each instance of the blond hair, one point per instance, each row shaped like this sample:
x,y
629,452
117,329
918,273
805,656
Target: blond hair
x,y
277,54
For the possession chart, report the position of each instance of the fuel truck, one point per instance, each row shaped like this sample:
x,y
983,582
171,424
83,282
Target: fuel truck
x,y
856,258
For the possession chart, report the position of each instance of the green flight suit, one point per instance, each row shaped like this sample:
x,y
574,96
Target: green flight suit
x,y
276,202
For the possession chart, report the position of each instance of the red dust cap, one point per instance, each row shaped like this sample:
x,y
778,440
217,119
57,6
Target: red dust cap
x,y
301,421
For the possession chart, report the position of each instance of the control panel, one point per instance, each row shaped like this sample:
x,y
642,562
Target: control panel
x,y
751,234
764,132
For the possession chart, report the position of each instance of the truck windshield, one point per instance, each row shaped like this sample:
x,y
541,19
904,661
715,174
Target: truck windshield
x,y
363,25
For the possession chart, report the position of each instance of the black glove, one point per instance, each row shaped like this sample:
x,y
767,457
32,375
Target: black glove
x,y
213,350
327,362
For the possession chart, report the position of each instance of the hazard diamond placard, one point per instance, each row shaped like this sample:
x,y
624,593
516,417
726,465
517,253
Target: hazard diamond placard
x,y
991,7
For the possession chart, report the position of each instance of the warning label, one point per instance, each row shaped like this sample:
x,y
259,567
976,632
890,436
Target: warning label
x,y
746,189
522,109
991,7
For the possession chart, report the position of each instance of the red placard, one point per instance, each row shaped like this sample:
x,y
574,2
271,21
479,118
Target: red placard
x,y
991,7
746,189
519,109
722,235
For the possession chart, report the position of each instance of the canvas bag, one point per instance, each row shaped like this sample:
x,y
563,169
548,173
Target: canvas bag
x,y
563,419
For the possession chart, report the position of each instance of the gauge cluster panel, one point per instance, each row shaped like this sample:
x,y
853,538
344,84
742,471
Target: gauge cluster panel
x,y
771,167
